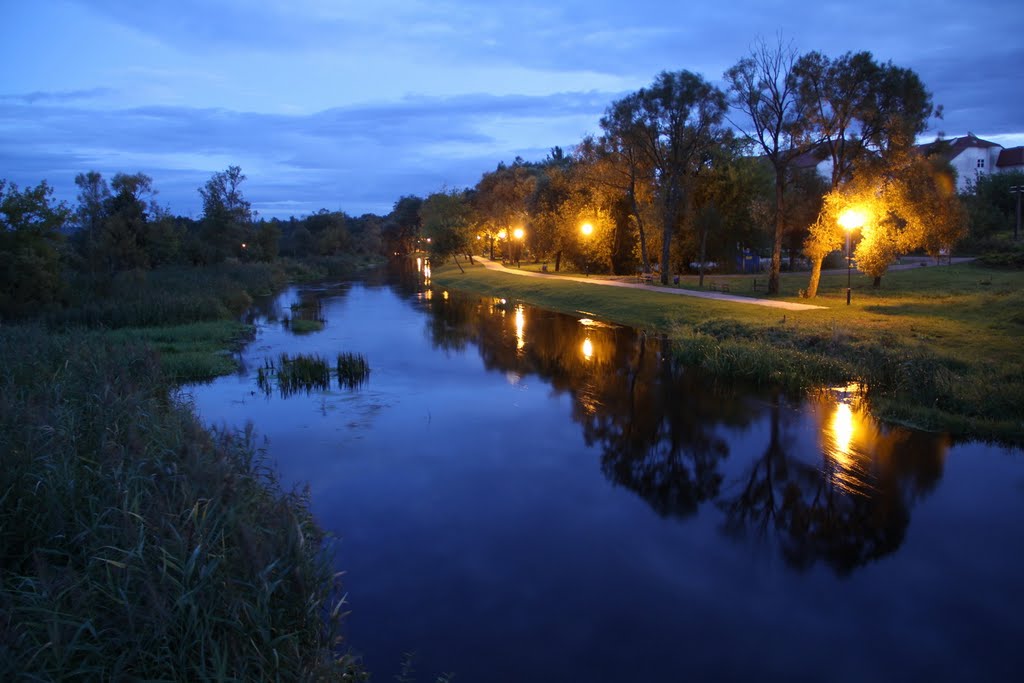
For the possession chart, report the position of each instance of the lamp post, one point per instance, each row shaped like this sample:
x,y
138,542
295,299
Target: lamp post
x,y
1017,189
518,234
850,220
586,229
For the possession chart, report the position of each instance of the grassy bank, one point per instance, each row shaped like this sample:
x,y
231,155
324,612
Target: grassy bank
x,y
937,348
137,545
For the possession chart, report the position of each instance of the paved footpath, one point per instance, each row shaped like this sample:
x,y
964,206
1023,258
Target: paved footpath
x,y
720,296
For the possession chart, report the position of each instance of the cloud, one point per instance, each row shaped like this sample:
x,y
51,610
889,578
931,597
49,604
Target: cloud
x,y
62,96
358,158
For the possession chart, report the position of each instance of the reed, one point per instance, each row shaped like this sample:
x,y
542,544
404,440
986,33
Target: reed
x,y
352,370
135,544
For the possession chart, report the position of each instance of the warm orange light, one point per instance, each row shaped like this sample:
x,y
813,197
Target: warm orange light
x,y
851,219
502,234
520,328
518,233
586,229
588,349
842,432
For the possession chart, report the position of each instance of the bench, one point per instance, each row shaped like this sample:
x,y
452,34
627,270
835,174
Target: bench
x,y
646,278
718,286
759,285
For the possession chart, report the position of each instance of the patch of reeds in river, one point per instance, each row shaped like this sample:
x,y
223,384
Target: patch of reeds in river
x,y
309,373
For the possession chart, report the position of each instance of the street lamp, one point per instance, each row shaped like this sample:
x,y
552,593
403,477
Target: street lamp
x,y
586,229
850,220
1017,190
518,235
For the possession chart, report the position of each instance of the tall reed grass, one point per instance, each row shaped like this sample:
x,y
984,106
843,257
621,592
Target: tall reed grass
x,y
137,545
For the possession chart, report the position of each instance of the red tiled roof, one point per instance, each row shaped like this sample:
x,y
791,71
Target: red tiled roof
x,y
1011,157
955,146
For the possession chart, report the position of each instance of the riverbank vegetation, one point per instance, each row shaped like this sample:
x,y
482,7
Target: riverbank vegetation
x,y
137,544
936,348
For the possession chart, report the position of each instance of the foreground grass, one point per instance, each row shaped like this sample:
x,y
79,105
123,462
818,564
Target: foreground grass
x,y
937,348
137,545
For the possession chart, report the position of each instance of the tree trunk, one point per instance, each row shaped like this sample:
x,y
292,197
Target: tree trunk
x,y
667,228
456,259
558,259
773,275
812,285
641,232
703,248
877,282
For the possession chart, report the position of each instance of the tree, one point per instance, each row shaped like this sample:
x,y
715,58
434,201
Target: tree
x,y
446,223
867,115
500,200
618,161
93,195
676,121
125,227
763,87
402,227
30,247
227,215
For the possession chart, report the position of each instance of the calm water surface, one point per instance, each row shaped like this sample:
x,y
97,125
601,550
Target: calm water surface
x,y
527,496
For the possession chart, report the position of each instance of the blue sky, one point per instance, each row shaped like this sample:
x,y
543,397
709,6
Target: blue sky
x,y
348,105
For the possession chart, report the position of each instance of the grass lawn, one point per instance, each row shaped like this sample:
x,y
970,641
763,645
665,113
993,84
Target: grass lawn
x,y
938,347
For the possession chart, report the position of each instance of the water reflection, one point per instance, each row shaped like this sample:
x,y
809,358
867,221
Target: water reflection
x,y
665,433
819,480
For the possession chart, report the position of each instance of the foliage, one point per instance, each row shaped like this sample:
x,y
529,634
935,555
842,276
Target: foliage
x,y
135,544
31,248
991,206
763,87
227,215
446,221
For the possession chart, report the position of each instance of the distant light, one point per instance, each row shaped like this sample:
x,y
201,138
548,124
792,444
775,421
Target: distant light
x,y
586,229
518,233
588,349
502,234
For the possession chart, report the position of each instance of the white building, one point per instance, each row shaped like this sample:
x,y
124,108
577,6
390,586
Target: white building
x,y
971,156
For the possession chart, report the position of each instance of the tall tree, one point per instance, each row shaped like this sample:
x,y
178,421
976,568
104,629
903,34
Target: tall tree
x,y
763,87
402,227
446,218
865,114
30,247
500,200
678,121
618,160
227,215
93,194
125,228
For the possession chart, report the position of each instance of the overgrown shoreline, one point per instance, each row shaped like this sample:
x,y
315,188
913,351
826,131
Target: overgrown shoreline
x,y
913,368
135,543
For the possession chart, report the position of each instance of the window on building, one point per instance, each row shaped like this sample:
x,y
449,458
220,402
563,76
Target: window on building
x,y
981,163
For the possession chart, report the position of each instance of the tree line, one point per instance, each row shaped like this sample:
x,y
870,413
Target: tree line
x,y
684,173
118,225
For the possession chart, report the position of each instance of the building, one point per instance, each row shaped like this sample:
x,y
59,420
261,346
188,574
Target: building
x,y
972,156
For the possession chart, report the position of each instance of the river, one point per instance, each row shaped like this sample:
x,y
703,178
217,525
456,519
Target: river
x,y
521,495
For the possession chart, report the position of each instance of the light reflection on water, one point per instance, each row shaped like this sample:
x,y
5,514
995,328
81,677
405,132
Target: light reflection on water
x,y
512,480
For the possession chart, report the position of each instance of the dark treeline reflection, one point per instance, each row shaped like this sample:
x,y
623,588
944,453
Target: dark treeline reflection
x,y
841,495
